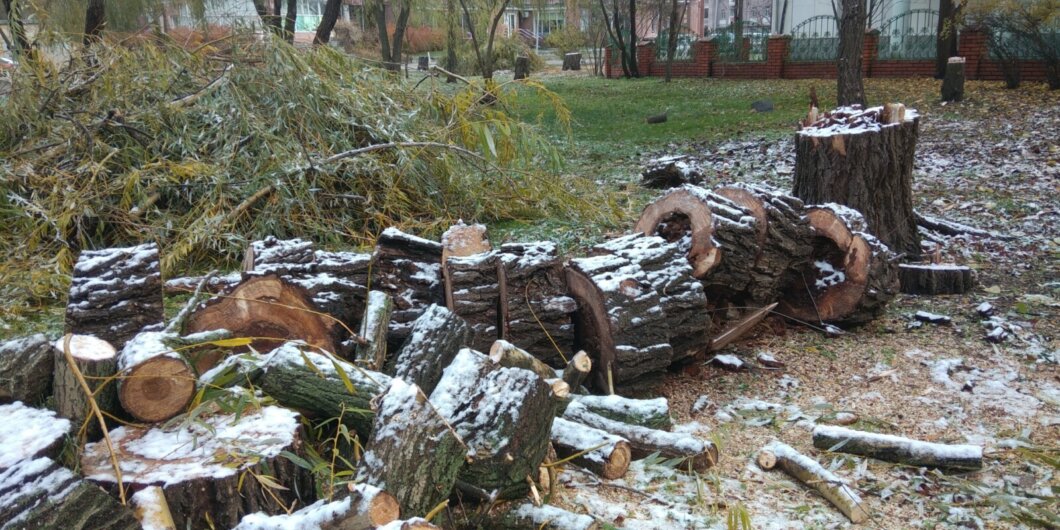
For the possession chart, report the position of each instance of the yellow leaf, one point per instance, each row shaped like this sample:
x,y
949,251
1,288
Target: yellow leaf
x,y
231,343
345,378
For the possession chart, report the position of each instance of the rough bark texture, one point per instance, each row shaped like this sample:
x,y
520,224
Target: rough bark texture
x,y
652,413
408,268
864,160
809,472
436,337
115,293
42,495
503,415
897,449
97,361
536,306
932,279
850,89
412,454
601,452
372,352
577,371
953,82
572,61
39,434
475,286
366,506
522,67
509,355
26,369
203,490
156,382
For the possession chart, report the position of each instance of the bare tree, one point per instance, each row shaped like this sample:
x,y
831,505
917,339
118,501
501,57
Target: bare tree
x,y
613,23
850,87
485,57
390,47
290,18
674,29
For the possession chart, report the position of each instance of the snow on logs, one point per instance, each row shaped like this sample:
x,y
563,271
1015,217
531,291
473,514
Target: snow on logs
x,y
897,449
155,381
366,506
601,452
26,366
27,433
42,495
536,303
807,471
409,269
115,293
474,281
435,339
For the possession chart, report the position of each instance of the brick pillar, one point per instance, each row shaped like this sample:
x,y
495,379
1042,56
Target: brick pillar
x,y
703,51
971,44
645,58
868,51
776,54
607,62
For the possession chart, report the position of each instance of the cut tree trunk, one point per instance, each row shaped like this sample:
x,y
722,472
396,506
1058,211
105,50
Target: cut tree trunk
x,y
526,516
365,507
697,454
209,469
156,382
413,454
97,361
474,285
26,366
187,284
601,452
863,159
537,308
953,82
504,415
522,67
851,277
932,279
39,433
436,337
42,495
115,293
577,371
509,355
652,413
807,471
372,352
572,61
151,509
897,449
409,269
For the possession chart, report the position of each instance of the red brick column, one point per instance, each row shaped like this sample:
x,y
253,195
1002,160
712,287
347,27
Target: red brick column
x,y
645,58
607,62
776,54
703,52
971,44
868,51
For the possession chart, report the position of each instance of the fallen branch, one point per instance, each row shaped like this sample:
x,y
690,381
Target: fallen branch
x,y
897,449
812,474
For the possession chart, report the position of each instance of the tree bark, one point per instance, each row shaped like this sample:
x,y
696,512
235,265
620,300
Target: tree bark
x,y
95,20
850,89
577,371
290,17
372,352
933,279
509,355
953,80
945,37
409,269
42,495
40,434
26,366
436,337
522,67
474,285
366,506
327,22
807,471
651,413
156,383
633,38
602,453
897,449
536,306
96,360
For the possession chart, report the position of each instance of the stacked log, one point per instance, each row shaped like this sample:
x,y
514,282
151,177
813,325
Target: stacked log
x,y
436,337
26,369
366,506
156,383
475,285
43,495
29,433
97,363
115,293
408,268
538,307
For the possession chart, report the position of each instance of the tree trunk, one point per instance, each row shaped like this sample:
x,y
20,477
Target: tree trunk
x,y
522,67
206,481
807,471
412,454
95,20
671,41
452,38
651,413
42,495
953,81
290,17
474,281
26,366
17,25
327,22
409,269
155,382
850,88
897,449
96,360
602,453
436,337
372,352
366,506
633,39
933,279
39,433
864,160
945,38
115,293
536,306
398,43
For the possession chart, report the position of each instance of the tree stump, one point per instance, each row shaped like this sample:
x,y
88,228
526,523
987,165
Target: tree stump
x,y
156,382
953,82
851,276
28,433
409,269
670,172
522,67
436,337
863,159
26,366
115,293
504,415
537,306
209,469
423,63
42,495
601,452
97,361
365,507
578,369
933,278
572,61
413,454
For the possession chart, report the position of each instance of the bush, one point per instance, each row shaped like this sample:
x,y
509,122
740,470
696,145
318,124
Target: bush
x,y
505,50
422,39
566,40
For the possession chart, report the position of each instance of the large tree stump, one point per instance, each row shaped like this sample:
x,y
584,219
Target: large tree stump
x,y
863,159
27,433
365,507
413,454
436,337
522,67
26,369
953,82
409,269
208,469
935,278
115,293
572,61
97,361
156,382
504,415
537,306
851,276
601,452
42,495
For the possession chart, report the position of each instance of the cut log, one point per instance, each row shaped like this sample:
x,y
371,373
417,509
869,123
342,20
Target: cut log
x,y
536,307
670,172
26,366
97,361
28,433
115,293
504,415
863,159
365,507
932,279
652,413
522,67
413,454
310,382
572,61
577,370
474,285
681,296
897,449
699,455
151,509
42,495
509,355
436,337
372,353
213,470
409,269
807,471
953,81
602,453
281,252
526,516
656,118
156,382
852,275
269,309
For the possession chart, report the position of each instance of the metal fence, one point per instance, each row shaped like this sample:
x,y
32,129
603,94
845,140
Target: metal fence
x,y
1008,46
815,39
909,36
682,52
746,43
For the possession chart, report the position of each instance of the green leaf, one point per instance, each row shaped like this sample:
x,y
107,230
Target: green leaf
x,y
344,377
309,364
488,136
297,460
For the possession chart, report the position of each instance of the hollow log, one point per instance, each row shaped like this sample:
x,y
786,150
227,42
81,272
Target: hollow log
x,y
670,172
372,353
504,415
652,413
578,369
151,509
603,453
897,449
115,292
365,507
536,306
155,382
28,433
863,158
932,279
526,516
851,276
409,269
953,81
42,495
211,471
697,454
413,454
807,471
26,366
97,361
436,337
